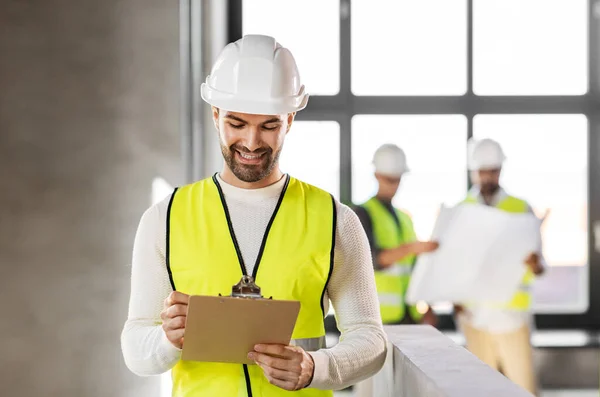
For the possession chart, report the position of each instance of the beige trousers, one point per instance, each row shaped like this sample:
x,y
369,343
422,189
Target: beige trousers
x,y
511,353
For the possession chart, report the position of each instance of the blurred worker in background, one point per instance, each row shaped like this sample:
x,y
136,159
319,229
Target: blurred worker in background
x,y
201,240
393,241
499,334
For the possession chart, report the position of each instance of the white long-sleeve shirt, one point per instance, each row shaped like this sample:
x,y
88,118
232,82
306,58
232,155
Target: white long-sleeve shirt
x,y
351,289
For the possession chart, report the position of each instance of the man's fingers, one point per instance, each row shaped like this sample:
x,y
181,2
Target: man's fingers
x,y
175,335
431,246
282,384
276,350
532,259
174,323
426,246
176,310
275,373
274,362
177,297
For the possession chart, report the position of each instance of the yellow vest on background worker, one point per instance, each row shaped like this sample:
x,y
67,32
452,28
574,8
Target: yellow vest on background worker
x,y
295,263
522,299
392,282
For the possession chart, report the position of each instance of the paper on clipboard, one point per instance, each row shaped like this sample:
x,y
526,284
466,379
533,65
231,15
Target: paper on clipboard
x,y
225,329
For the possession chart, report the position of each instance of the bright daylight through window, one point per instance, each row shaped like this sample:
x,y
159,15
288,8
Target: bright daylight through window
x,y
543,53
310,35
311,153
422,44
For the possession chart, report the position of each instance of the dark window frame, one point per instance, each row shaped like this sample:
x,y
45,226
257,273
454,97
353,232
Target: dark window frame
x,y
344,105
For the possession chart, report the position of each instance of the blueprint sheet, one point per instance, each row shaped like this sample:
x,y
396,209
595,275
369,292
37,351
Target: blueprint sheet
x,y
480,258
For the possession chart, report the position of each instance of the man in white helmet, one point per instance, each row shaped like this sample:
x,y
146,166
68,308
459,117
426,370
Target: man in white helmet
x,y
297,241
499,334
393,241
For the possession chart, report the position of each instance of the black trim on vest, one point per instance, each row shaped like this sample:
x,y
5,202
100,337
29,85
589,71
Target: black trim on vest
x,y
230,225
239,253
168,241
248,384
266,235
331,254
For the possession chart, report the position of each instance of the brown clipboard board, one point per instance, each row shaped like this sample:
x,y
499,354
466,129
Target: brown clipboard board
x,y
225,329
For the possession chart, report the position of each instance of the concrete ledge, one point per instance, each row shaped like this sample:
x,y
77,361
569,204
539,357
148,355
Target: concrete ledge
x,y
423,362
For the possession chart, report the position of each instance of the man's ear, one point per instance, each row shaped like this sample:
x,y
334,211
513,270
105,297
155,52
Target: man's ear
x,y
290,120
215,114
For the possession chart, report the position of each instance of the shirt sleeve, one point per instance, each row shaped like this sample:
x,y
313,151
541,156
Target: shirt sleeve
x,y
145,347
361,350
367,224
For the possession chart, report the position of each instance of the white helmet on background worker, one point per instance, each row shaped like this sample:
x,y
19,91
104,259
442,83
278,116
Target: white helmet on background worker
x,y
255,75
485,154
390,160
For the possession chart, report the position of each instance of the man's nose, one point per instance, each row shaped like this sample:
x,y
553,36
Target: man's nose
x,y
252,139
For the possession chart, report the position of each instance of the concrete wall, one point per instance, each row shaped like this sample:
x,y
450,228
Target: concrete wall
x,y
88,116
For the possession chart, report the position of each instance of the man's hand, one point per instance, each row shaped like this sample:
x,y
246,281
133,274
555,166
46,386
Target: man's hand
x,y
174,316
287,367
421,247
458,309
430,318
534,263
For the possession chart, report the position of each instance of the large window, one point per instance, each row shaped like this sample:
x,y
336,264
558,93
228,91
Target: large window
x,y
428,75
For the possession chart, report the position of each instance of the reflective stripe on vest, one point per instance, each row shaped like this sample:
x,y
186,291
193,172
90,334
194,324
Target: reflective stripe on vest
x,y
392,282
390,299
295,262
310,344
521,300
397,269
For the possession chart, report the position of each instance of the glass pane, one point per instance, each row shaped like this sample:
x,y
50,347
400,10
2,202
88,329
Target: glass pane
x,y
409,47
317,164
547,166
530,47
436,154
310,29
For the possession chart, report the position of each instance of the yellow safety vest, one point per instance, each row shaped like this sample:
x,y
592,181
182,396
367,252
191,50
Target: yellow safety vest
x,y
295,262
522,299
392,282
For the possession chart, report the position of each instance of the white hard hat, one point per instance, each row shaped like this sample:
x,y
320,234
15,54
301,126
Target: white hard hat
x,y
390,160
485,154
255,75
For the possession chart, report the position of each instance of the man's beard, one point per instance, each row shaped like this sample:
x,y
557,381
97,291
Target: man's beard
x,y
250,172
489,188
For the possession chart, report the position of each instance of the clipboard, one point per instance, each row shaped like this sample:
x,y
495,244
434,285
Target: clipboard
x,y
226,328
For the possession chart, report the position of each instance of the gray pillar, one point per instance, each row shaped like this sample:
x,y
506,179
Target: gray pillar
x,y
203,36
88,117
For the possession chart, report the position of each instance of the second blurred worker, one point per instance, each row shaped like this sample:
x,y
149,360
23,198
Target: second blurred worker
x,y
393,241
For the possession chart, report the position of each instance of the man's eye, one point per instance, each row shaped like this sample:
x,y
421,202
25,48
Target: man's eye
x,y
270,128
237,126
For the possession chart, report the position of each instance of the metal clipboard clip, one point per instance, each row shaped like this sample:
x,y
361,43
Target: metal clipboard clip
x,y
246,288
